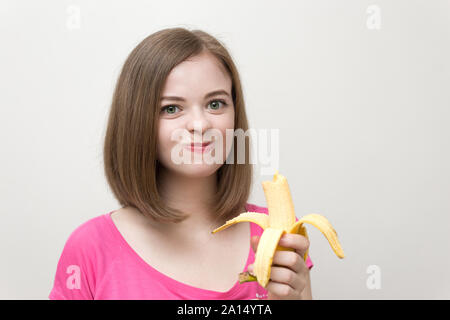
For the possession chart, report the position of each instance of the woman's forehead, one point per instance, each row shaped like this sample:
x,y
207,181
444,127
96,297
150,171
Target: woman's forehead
x,y
200,74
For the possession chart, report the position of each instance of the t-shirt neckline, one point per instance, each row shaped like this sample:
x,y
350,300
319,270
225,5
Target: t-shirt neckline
x,y
175,284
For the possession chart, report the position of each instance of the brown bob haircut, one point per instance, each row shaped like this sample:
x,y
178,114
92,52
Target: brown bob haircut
x,y
130,151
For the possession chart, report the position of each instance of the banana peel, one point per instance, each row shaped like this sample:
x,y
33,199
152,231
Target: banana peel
x,y
280,220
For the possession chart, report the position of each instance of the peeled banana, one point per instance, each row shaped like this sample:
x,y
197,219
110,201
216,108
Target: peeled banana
x,y
280,220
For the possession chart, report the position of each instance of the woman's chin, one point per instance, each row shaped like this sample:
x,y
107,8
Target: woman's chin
x,y
197,170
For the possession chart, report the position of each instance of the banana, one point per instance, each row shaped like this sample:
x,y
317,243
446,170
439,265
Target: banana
x,y
280,220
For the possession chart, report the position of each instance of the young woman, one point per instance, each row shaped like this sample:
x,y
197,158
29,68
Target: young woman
x,y
159,245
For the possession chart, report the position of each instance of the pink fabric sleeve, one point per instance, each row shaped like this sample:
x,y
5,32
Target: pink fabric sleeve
x,y
309,262
73,279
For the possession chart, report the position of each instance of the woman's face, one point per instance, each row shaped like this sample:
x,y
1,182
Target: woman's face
x,y
195,117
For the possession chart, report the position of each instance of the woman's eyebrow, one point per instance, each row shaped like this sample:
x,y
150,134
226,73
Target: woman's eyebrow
x,y
212,93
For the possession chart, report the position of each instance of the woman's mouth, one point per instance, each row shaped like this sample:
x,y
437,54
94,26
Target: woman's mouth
x,y
199,147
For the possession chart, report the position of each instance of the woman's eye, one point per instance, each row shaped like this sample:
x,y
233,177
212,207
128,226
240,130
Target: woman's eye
x,y
170,109
215,104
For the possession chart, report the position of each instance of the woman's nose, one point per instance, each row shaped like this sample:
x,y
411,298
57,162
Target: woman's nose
x,y
198,122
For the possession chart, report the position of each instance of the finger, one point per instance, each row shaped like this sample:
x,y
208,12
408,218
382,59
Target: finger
x,y
254,242
286,276
295,241
280,290
289,259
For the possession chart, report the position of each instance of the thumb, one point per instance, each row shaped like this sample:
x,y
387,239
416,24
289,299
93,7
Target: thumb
x,y
254,242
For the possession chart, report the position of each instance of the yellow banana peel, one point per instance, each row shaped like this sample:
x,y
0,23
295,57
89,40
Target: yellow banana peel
x,y
280,220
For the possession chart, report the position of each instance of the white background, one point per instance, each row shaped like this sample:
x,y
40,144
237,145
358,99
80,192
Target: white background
x,y
363,114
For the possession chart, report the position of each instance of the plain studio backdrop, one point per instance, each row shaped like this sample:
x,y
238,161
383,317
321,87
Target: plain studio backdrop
x,y
359,91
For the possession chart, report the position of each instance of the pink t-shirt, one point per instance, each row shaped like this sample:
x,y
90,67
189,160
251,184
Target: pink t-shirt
x,y
97,263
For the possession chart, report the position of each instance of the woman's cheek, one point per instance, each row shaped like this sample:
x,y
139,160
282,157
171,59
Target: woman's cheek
x,y
164,144
227,138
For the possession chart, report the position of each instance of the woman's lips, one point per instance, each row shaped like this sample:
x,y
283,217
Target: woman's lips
x,y
199,147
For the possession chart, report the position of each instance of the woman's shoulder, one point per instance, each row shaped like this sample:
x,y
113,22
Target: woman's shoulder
x,y
82,258
88,234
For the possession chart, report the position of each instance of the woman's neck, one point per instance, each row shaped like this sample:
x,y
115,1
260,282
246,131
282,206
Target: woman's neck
x,y
191,195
